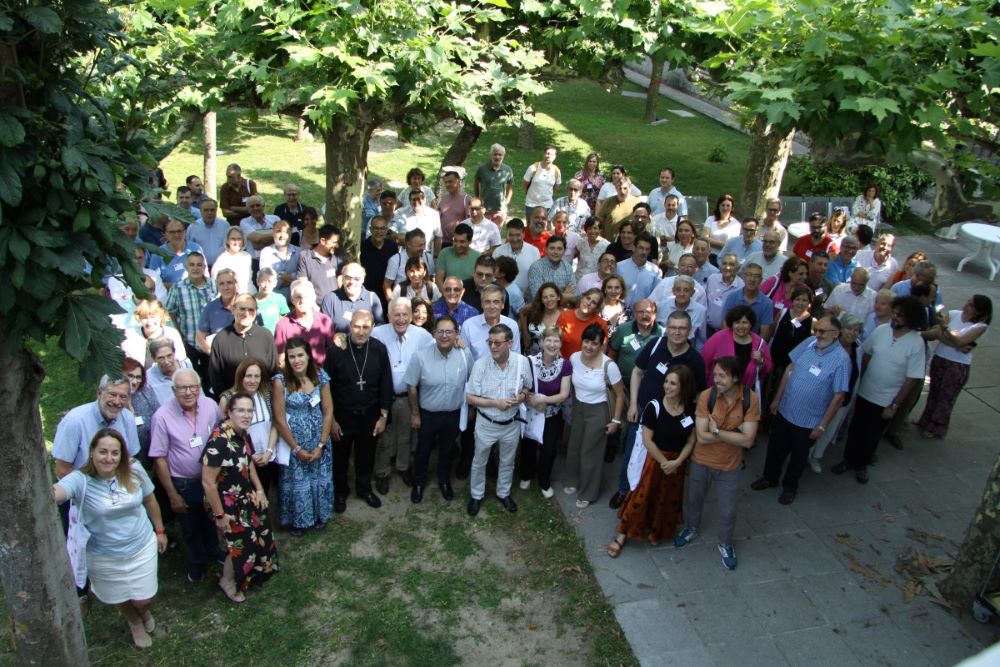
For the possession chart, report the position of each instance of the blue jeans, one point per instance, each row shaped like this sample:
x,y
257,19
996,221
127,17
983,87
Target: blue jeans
x,y
633,428
197,528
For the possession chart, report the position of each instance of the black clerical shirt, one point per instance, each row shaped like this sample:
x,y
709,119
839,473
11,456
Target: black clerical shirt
x,y
375,386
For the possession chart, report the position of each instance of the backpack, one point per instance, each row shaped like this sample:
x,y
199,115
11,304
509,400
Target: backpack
x,y
714,394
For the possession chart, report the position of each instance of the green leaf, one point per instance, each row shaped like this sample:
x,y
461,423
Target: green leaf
x,y
74,161
852,73
10,184
986,50
76,331
11,131
45,20
81,221
19,247
878,107
817,45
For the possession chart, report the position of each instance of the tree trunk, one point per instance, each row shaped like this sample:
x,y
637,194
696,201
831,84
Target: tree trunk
x,y
346,143
177,136
653,91
45,622
208,130
303,133
769,151
979,549
460,148
526,132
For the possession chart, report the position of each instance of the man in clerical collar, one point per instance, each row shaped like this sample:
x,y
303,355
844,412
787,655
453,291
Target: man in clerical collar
x,y
362,397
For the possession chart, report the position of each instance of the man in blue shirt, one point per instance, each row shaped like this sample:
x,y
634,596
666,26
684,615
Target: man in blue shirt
x,y
744,244
71,447
172,270
750,295
812,389
639,275
839,270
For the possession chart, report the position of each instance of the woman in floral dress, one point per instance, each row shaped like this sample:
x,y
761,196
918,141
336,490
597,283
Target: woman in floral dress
x,y
238,502
303,415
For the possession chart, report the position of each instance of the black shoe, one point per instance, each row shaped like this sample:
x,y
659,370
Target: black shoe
x,y
447,492
473,508
786,497
861,475
372,500
340,504
417,494
761,483
509,503
407,477
462,473
382,485
894,440
616,500
840,468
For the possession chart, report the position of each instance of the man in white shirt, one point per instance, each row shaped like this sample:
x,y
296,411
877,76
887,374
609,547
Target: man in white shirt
x,y
208,232
686,266
540,181
257,227
663,225
768,257
523,253
657,196
402,340
881,265
854,297
418,216
576,209
770,223
681,300
485,233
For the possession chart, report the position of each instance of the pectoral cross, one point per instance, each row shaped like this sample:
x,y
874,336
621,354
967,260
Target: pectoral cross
x,y
361,384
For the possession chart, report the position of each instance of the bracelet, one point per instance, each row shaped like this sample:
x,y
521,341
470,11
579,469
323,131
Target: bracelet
x,y
269,450
616,421
161,531
821,427
894,406
296,449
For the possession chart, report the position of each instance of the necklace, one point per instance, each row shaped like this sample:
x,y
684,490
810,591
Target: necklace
x,y
361,371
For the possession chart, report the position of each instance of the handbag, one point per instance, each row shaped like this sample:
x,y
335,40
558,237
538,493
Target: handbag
x,y
637,461
76,540
534,425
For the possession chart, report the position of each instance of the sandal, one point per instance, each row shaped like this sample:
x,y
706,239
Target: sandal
x,y
569,490
583,504
653,540
615,548
235,596
148,621
140,637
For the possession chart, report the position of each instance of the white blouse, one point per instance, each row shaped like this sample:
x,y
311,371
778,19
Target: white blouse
x,y
589,384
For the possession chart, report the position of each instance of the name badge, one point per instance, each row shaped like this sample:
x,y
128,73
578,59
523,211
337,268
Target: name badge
x,y
244,199
687,421
314,400
717,301
398,366
819,291
796,324
662,367
195,442
809,253
636,345
177,267
139,421
331,273
347,316
815,370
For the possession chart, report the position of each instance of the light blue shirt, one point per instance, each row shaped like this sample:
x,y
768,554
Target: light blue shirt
x,y
515,298
115,517
401,351
657,198
173,270
77,429
762,307
639,280
440,380
738,247
837,272
211,239
818,375
476,332
702,274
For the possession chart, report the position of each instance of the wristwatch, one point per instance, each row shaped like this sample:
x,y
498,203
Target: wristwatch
x,y
218,516
715,432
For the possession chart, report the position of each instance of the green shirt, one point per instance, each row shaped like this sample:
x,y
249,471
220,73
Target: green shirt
x,y
493,184
271,309
453,265
627,343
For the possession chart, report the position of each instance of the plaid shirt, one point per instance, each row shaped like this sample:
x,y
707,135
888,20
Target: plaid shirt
x,y
185,303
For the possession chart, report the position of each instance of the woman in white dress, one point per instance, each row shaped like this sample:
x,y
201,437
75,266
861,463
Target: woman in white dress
x,y
721,225
237,259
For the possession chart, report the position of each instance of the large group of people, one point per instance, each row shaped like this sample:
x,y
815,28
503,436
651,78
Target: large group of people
x,y
267,363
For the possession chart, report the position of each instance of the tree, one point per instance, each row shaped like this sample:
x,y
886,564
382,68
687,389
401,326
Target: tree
x,y
845,74
979,549
351,68
67,174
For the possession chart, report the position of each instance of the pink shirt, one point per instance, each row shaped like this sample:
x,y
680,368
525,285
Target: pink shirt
x,y
319,335
721,344
453,209
174,436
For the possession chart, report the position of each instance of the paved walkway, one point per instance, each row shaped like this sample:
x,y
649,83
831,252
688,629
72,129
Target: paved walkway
x,y
815,582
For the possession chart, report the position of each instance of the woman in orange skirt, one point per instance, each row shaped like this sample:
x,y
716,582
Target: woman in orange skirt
x,y
654,507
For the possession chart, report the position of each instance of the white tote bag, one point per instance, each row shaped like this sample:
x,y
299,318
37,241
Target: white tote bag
x,y
76,540
637,461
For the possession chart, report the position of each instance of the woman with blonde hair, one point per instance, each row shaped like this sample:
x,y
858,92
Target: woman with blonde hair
x,y
235,258
150,321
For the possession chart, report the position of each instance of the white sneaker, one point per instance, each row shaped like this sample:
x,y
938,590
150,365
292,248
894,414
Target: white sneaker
x,y
548,493
815,465
525,484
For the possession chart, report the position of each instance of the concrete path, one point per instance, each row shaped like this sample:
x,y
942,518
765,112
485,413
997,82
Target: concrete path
x,y
815,583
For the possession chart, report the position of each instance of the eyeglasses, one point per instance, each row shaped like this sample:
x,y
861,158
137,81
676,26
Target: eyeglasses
x,y
134,376
379,229
451,290
444,332
817,330
187,388
497,343
353,278
485,276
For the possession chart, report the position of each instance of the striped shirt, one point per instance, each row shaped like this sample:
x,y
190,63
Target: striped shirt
x,y
816,376
185,303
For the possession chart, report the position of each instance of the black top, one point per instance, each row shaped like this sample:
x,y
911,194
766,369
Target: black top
x,y
230,348
375,262
296,218
742,352
656,356
475,299
343,367
786,338
669,435
621,254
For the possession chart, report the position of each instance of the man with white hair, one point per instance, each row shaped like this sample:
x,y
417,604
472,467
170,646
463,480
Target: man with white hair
x,y
840,269
402,339
769,257
179,430
683,291
494,183
341,304
573,205
258,227
771,223
160,376
854,297
881,265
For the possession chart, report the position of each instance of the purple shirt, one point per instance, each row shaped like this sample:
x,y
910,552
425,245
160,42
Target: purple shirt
x,y
175,437
319,335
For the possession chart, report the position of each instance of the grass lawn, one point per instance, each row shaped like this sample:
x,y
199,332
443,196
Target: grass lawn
x,y
577,116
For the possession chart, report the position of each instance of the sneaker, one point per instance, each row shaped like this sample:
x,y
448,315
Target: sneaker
x,y
548,493
196,577
728,556
685,536
815,465
525,484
